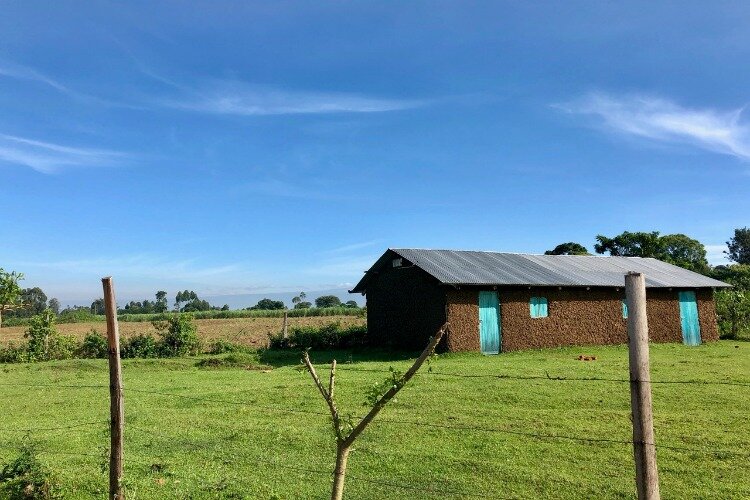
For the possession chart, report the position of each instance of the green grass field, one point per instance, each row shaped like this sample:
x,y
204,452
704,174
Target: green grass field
x,y
264,433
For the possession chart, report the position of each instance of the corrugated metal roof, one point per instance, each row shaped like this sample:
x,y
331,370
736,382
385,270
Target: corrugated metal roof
x,y
461,267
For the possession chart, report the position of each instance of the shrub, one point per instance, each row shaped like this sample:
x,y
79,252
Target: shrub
x,y
14,353
94,345
41,335
179,336
77,315
62,347
733,312
331,336
139,346
25,477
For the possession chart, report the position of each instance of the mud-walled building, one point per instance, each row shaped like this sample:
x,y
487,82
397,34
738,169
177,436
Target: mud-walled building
x,y
498,302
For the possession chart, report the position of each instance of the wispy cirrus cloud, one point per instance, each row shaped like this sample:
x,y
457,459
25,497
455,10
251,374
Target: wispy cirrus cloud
x,y
47,157
663,120
354,246
20,72
244,99
141,265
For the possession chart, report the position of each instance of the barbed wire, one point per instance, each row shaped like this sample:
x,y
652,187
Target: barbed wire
x,y
390,484
461,426
547,376
390,420
61,428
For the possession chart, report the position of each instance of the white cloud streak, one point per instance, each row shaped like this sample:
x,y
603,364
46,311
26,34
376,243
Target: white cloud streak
x,y
47,158
243,99
663,120
352,247
142,266
19,72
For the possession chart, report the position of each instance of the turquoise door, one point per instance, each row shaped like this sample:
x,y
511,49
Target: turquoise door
x,y
489,322
691,330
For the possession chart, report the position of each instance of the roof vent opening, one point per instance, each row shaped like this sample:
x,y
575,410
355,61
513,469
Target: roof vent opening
x,y
398,262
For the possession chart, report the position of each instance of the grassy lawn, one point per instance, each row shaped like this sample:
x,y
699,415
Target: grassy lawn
x,y
265,432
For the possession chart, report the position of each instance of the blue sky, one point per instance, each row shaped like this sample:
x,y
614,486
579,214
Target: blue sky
x,y
258,148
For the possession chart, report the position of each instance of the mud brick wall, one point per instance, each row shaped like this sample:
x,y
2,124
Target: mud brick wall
x,y
463,315
576,316
707,315
405,307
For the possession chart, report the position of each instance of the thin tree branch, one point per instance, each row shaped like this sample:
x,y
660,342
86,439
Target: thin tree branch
x,y
326,395
331,380
394,389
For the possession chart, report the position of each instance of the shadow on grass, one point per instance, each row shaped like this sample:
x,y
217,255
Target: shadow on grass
x,y
292,357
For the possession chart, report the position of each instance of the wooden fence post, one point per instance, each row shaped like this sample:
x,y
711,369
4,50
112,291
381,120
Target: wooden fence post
x,y
644,444
116,408
285,326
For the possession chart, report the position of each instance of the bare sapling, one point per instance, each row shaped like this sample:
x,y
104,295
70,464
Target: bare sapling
x,y
345,433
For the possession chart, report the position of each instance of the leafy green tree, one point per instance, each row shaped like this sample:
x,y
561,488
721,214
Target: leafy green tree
x,y
34,300
184,296
629,244
161,302
303,305
196,304
351,304
677,249
569,248
737,275
97,306
739,246
54,305
10,291
327,301
683,251
268,305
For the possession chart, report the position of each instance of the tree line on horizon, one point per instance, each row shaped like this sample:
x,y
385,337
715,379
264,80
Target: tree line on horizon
x,y
733,305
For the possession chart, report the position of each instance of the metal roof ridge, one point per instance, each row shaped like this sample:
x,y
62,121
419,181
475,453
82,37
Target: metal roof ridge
x,y
517,253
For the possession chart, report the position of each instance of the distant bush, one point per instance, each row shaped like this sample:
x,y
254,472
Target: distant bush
x,y
139,346
13,353
94,345
62,347
44,342
179,336
77,315
331,336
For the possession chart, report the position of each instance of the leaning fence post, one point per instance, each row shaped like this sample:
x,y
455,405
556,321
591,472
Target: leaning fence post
x,y
644,444
116,408
285,326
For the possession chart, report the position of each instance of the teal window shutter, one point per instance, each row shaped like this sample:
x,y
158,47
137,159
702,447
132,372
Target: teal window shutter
x,y
538,307
624,309
542,307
